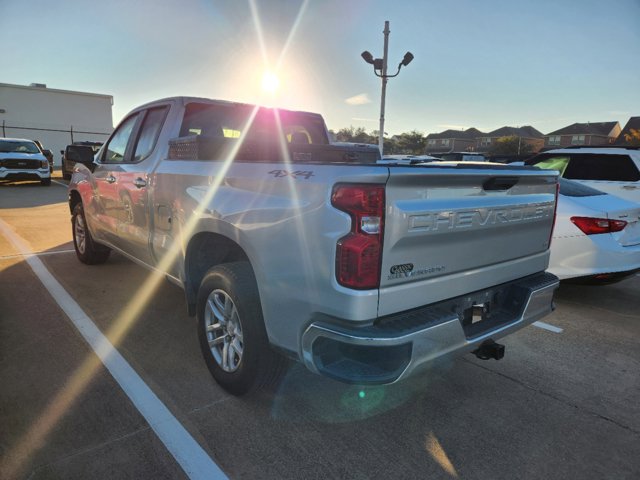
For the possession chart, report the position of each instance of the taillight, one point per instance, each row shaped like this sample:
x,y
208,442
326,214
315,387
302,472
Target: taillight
x,y
594,226
359,254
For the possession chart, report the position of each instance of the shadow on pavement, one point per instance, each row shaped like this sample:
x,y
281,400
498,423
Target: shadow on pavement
x,y
12,194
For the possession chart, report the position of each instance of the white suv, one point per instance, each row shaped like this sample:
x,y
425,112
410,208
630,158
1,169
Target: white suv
x,y
21,159
613,170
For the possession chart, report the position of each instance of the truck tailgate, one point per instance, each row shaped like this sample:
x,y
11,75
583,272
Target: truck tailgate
x,y
462,228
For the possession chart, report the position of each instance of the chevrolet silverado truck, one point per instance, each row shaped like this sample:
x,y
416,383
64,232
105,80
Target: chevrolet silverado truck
x,y
289,247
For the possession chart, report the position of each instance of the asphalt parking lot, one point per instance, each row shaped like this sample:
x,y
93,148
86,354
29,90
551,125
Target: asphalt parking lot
x,y
563,403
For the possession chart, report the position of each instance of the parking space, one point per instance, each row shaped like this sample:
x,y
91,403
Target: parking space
x,y
559,405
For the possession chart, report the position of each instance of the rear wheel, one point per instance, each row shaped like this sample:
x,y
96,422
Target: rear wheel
x,y
87,250
231,330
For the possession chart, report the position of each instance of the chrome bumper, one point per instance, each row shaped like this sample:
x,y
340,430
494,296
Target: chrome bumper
x,y
394,348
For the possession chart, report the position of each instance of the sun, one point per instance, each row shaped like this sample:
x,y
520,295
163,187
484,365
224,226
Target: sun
x,y
270,82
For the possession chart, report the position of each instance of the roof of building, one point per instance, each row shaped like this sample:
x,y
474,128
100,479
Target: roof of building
x,y
634,122
525,132
41,87
468,134
589,128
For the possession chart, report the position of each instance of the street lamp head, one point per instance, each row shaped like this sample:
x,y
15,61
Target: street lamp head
x,y
367,57
407,58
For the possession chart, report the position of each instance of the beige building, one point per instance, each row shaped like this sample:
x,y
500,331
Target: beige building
x,y
54,117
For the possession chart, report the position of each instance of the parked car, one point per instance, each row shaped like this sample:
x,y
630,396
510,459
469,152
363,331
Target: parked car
x,y
21,159
47,153
77,152
614,170
596,236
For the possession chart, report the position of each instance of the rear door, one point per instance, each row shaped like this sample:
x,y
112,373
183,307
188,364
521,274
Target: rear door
x,y
453,230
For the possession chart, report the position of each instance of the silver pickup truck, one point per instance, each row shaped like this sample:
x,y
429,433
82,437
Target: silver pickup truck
x,y
290,247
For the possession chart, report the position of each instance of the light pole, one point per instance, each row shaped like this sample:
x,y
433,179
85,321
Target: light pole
x,y
381,65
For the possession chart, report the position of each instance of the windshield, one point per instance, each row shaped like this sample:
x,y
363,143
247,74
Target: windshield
x,y
10,146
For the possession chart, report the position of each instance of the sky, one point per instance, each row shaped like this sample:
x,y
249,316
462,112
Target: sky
x,y
482,64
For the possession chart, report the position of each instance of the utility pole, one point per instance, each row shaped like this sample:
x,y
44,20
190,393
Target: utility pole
x,y
384,86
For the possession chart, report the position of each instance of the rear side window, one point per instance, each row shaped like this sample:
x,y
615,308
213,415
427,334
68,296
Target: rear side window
x,y
616,168
153,121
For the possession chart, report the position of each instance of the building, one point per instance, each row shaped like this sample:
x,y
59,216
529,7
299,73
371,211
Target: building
x,y
526,135
628,138
599,133
452,141
54,117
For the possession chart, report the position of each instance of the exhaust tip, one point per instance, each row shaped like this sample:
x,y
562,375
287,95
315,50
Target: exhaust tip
x,y
489,349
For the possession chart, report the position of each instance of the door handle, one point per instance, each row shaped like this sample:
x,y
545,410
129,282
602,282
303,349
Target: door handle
x,y
139,182
630,187
110,179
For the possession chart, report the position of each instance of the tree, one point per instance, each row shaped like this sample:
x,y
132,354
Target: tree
x,y
512,145
633,137
411,143
355,135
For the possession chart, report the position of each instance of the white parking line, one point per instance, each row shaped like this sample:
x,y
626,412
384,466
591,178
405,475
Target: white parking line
x,y
195,462
34,254
546,326
59,183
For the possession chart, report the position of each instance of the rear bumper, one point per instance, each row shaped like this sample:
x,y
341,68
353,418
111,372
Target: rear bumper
x,y
588,256
393,348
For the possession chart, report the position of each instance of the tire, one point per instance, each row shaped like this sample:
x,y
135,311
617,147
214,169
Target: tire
x,y
87,250
237,351
45,182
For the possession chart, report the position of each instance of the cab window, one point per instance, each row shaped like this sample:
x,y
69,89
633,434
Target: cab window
x,y
116,149
149,133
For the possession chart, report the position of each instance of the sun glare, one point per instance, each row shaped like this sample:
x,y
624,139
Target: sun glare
x,y
270,82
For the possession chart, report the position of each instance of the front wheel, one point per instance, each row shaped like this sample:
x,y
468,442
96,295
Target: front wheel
x,y
87,250
231,331
45,182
